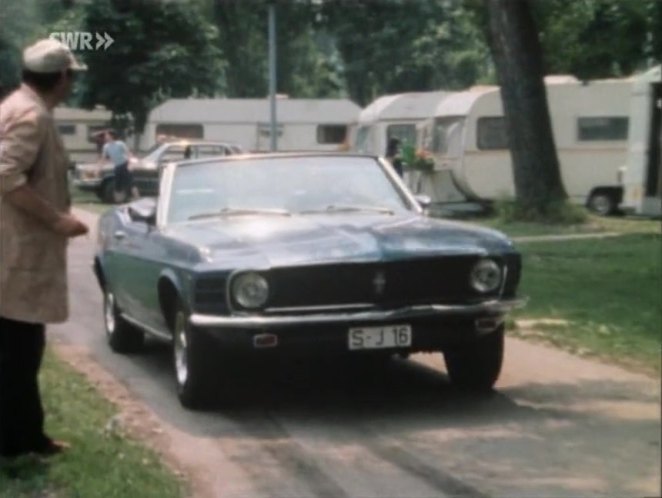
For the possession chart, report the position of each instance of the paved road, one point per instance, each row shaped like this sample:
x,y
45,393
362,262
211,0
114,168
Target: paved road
x,y
558,426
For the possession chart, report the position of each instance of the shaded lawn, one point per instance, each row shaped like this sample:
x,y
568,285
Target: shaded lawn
x,y
102,462
608,290
88,201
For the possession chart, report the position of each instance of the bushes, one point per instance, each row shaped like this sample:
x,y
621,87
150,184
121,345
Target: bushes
x,y
558,212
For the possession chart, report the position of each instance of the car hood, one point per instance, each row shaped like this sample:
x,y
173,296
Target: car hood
x,y
273,241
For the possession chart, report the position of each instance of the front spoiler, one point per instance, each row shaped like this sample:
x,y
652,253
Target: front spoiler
x,y
495,307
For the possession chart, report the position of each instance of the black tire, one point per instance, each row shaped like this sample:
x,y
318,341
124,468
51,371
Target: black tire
x,y
122,337
193,361
603,203
476,366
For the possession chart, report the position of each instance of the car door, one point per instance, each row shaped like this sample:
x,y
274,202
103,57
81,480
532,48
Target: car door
x,y
139,264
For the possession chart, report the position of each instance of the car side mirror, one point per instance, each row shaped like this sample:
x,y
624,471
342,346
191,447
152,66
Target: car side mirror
x,y
143,211
423,200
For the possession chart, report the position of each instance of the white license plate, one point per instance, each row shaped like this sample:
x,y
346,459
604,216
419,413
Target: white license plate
x,y
391,336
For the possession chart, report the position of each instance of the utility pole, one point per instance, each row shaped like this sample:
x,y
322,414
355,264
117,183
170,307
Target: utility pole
x,y
272,77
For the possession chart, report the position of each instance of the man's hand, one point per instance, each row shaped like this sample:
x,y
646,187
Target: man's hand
x,y
69,226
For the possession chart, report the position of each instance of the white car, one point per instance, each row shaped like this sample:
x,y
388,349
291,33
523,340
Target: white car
x,y
100,179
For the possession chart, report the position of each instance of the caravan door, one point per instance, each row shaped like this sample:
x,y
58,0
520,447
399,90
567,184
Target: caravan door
x,y
642,179
448,148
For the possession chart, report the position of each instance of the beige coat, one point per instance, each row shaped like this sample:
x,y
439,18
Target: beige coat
x,y
33,271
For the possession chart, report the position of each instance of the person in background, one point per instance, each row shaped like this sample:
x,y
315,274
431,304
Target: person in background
x,y
119,154
35,225
393,154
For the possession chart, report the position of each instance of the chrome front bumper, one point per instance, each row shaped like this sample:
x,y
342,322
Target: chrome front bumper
x,y
496,307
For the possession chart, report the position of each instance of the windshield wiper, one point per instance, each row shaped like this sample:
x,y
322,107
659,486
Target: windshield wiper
x,y
240,212
347,208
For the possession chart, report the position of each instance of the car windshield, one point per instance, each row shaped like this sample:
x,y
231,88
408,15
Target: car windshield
x,y
305,186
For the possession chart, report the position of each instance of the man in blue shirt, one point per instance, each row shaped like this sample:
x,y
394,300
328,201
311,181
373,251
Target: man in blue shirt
x,y
118,153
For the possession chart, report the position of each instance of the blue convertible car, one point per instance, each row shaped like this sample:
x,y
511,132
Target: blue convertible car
x,y
301,253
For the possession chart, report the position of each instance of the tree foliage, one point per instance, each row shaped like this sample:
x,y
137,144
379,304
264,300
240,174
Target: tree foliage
x,y
356,48
600,38
394,46
307,64
161,50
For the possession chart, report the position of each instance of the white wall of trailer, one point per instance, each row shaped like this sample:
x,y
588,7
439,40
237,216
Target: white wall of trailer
x,y
469,144
392,116
303,124
642,176
75,126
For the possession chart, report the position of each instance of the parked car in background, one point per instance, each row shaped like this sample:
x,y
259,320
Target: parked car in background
x,y
310,253
100,178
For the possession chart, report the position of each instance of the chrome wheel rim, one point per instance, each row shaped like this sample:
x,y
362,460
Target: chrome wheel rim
x,y
181,345
109,313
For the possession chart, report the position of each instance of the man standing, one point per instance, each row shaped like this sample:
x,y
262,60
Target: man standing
x,y
118,153
35,225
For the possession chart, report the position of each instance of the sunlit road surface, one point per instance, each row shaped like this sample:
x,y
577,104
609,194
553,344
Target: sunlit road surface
x,y
557,426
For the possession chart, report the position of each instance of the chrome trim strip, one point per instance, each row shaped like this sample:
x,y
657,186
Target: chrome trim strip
x,y
326,307
260,321
150,330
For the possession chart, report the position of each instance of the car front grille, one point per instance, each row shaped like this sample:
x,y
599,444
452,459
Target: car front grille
x,y
209,294
387,284
356,286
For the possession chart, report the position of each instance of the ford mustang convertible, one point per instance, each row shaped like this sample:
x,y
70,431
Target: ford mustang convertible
x,y
285,254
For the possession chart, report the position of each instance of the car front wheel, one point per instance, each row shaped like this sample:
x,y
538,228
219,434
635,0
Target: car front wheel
x,y
476,366
122,337
195,372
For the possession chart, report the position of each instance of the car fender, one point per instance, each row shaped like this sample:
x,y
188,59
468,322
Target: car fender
x,y
170,289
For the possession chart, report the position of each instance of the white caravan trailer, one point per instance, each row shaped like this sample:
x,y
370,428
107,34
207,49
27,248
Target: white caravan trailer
x,y
392,116
642,177
76,127
590,125
303,124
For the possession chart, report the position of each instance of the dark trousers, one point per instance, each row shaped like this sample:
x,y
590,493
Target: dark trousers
x,y
123,181
21,414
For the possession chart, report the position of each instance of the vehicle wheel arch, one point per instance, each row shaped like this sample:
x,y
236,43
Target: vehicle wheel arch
x,y
613,193
169,293
99,273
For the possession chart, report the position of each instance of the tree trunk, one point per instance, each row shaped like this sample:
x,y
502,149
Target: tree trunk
x,y
517,54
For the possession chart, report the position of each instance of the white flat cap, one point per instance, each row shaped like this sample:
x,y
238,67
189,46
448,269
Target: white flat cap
x,y
50,56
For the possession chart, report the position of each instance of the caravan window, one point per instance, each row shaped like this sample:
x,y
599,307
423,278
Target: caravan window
x,y
362,144
602,128
180,130
331,134
447,136
406,133
491,133
264,130
66,129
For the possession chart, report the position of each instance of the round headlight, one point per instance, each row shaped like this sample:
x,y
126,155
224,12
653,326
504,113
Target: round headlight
x,y
250,290
485,276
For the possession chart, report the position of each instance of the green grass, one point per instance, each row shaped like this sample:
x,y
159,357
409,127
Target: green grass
x,y
88,201
102,462
594,224
609,291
